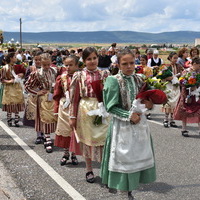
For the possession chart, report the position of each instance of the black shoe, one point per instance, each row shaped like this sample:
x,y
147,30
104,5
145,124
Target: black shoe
x,y
185,133
130,196
165,123
16,124
48,145
74,160
47,142
64,160
9,122
49,149
173,124
39,140
148,116
90,177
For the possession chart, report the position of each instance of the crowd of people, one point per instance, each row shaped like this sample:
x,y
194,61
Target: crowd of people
x,y
97,104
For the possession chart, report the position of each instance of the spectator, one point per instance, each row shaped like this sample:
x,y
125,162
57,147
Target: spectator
x,y
155,62
182,57
1,57
104,60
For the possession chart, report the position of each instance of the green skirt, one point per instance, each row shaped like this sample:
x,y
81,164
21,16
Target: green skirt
x,y
1,94
123,181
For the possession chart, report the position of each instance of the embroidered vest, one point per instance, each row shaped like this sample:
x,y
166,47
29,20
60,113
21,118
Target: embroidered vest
x,y
153,63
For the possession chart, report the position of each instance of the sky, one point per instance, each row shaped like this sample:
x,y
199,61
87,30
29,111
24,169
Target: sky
x,y
152,16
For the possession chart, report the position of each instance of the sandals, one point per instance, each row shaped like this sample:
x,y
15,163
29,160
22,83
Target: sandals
x,y
185,133
39,140
9,122
165,124
48,145
148,116
74,160
90,177
49,149
64,160
16,124
173,124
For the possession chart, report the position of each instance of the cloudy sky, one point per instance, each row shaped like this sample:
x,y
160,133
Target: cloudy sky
x,y
100,15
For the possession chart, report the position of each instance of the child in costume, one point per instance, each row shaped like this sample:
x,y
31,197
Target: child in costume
x,y
13,98
30,109
128,158
148,72
85,98
175,68
173,92
41,84
62,101
188,106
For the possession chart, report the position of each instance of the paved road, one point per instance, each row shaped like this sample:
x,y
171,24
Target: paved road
x,y
36,175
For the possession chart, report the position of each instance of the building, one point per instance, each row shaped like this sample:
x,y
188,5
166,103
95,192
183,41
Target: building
x,y
197,41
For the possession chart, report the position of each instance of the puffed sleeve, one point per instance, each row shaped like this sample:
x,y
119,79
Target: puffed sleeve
x,y
112,99
74,95
32,83
58,93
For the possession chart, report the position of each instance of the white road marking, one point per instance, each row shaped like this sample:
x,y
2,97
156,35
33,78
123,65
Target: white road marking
x,y
45,166
155,122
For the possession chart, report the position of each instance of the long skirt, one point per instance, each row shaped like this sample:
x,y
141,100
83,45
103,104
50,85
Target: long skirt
x,y
63,130
92,138
13,98
30,111
45,121
123,181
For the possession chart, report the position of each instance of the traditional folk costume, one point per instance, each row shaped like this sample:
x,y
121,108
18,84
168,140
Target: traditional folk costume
x,y
30,109
128,153
176,69
147,71
13,98
83,100
188,106
63,130
45,121
172,91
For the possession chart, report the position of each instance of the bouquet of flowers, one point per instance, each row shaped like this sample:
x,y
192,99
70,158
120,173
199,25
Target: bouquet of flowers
x,y
139,69
166,74
155,83
191,79
25,64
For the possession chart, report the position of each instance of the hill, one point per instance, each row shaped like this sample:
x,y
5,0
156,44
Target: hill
x,y
185,37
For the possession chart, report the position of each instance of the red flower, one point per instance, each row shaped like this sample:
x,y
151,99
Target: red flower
x,y
192,81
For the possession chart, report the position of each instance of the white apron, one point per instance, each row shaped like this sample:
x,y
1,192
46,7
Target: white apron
x,y
131,149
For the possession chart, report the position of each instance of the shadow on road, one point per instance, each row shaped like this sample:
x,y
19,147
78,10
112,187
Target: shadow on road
x,y
158,187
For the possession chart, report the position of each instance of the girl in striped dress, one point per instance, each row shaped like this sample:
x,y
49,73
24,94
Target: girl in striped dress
x,y
13,98
41,84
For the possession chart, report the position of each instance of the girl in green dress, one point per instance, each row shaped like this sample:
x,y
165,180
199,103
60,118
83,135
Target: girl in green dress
x,y
128,158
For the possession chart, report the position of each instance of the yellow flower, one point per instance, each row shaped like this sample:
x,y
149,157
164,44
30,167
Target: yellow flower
x,y
181,78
